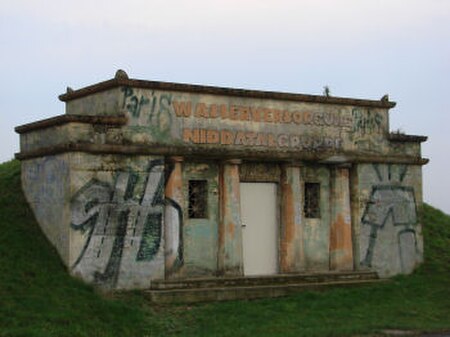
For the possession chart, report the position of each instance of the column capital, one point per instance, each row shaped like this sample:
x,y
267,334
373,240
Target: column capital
x,y
343,165
293,163
232,161
175,159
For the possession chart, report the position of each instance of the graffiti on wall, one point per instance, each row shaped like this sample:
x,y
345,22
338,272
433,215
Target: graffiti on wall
x,y
366,121
112,218
251,113
367,130
167,119
152,110
391,204
257,139
174,224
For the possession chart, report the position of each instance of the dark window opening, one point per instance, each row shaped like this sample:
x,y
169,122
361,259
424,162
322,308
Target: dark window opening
x,y
198,199
312,200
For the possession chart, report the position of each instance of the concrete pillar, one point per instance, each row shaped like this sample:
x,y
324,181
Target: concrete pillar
x,y
230,232
341,249
173,218
356,215
292,256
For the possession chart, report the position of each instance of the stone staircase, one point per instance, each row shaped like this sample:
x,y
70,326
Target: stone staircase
x,y
250,287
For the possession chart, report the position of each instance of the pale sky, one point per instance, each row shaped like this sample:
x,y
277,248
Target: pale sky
x,y
361,49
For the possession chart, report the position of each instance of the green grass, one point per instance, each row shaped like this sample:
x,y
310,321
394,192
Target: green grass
x,y
39,298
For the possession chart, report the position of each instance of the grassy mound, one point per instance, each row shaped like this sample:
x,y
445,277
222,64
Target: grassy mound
x,y
39,298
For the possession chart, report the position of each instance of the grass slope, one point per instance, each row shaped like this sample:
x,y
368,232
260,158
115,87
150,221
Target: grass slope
x,y
39,298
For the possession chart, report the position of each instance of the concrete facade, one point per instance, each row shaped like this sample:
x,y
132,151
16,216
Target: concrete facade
x,y
114,183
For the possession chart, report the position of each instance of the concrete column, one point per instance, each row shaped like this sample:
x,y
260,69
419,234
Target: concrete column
x,y
292,256
341,249
356,215
230,232
173,219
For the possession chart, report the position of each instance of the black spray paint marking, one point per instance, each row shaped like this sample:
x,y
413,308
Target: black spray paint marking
x,y
163,118
403,170
100,209
366,121
109,277
179,260
376,167
388,202
132,103
88,210
151,238
159,112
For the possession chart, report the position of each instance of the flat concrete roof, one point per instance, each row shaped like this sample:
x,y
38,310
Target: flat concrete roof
x,y
121,79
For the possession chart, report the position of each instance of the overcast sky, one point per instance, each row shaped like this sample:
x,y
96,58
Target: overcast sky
x,y
361,49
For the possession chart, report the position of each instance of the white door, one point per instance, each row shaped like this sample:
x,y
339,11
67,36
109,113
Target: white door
x,y
259,228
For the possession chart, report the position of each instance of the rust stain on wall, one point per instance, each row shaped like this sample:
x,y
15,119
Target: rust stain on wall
x,y
230,229
341,243
288,233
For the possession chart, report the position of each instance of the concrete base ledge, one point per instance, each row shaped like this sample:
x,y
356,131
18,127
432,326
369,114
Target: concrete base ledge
x,y
243,292
231,288
214,282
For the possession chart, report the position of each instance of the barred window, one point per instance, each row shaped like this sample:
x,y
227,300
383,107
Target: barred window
x,y
312,200
198,199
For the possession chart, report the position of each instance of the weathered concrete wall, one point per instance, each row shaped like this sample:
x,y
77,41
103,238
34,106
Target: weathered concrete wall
x,y
57,135
369,129
316,232
200,236
237,122
224,123
105,103
67,130
405,148
46,184
389,228
259,172
116,219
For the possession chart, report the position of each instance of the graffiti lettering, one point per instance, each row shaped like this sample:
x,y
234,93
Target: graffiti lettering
x,y
109,217
390,204
241,138
186,109
366,121
132,103
159,108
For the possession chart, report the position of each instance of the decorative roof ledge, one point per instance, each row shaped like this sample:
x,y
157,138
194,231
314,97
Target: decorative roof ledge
x,y
64,119
400,137
121,79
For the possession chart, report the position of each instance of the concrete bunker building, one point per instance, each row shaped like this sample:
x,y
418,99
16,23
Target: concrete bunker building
x,y
143,181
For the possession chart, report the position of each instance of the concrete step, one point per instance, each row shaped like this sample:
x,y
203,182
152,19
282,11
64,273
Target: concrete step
x,y
215,282
252,287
